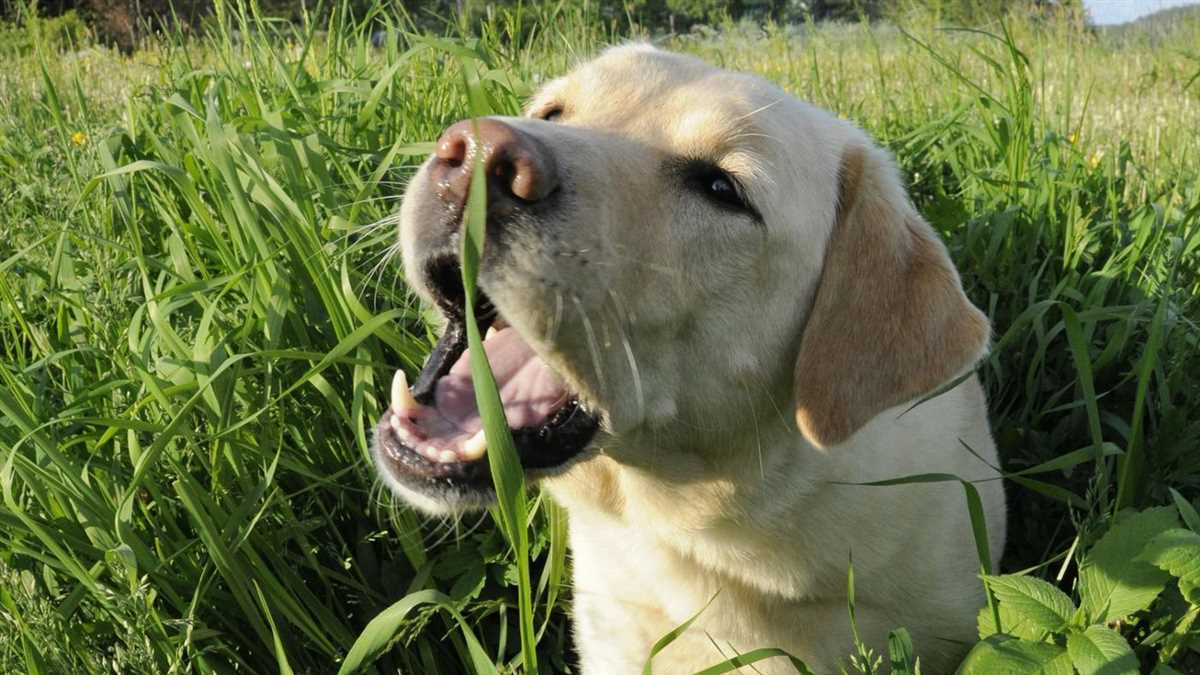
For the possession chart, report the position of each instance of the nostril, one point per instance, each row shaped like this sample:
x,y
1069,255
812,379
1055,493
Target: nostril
x,y
503,172
452,149
515,178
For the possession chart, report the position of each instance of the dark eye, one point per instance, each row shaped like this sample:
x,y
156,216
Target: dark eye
x,y
719,187
551,114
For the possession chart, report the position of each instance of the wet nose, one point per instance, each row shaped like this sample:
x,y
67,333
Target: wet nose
x,y
519,168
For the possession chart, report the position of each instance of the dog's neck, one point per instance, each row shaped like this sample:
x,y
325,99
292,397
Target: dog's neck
x,y
676,491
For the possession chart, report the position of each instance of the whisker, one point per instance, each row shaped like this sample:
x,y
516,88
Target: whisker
x,y
384,263
622,321
762,469
754,112
556,323
592,346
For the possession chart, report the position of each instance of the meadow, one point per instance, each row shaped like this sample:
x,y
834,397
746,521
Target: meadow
x,y
200,312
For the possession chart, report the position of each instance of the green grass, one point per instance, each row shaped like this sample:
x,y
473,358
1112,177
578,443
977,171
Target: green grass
x,y
200,312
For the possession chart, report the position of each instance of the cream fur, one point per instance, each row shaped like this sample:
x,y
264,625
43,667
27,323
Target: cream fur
x,y
684,323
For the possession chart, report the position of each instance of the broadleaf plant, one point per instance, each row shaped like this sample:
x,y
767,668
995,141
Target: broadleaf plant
x,y
1044,630
1112,583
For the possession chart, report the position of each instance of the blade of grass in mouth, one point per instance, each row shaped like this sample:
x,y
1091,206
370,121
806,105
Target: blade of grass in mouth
x,y
508,477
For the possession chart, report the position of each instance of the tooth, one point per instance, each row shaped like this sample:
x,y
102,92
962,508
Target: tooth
x,y
447,456
399,385
474,448
395,424
402,398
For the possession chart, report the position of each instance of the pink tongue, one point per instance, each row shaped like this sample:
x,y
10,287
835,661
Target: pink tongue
x,y
529,390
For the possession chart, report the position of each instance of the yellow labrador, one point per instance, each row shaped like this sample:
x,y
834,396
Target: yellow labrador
x,y
711,306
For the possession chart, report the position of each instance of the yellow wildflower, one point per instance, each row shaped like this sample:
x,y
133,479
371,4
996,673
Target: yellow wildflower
x,y
79,138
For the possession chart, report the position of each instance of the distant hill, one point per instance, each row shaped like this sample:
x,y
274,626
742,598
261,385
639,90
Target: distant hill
x,y
1153,25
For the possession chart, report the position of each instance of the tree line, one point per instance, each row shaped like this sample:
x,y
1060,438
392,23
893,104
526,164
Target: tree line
x,y
124,23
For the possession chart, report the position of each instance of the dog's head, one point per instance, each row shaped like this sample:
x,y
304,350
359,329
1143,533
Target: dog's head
x,y
673,252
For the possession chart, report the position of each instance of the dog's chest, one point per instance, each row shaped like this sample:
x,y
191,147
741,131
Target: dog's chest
x,y
630,590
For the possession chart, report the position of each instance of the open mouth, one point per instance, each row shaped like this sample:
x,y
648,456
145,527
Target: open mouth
x,y
432,434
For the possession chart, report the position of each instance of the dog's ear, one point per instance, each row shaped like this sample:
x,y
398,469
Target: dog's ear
x,y
890,320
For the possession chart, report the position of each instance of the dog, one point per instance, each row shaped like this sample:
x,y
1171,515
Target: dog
x,y
712,313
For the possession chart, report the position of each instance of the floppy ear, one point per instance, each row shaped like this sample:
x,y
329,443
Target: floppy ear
x,y
890,320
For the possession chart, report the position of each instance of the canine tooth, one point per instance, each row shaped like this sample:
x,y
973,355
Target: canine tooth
x,y
394,422
497,325
402,398
447,456
475,447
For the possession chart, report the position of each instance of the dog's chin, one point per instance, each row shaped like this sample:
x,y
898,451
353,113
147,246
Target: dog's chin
x,y
450,497
429,445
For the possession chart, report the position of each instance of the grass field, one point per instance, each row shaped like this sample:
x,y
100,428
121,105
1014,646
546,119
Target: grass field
x,y
200,314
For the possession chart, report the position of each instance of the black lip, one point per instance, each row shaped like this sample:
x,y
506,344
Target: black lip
x,y
540,447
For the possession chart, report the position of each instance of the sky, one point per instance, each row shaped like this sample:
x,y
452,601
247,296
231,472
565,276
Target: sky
x,y
1109,12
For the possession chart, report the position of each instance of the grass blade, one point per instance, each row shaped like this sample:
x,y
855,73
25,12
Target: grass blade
x,y
508,477
666,640
380,632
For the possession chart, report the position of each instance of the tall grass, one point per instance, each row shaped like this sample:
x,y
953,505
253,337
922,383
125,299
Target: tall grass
x,y
200,311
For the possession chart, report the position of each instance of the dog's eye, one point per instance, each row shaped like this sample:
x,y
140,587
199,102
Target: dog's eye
x,y
722,190
551,114
719,187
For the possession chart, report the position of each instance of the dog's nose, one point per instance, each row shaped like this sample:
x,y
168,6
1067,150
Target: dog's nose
x,y
519,168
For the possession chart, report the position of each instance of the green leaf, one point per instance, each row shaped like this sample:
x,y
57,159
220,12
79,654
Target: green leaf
x,y
1038,602
281,659
1005,655
1014,624
666,640
750,657
508,476
1131,466
1083,365
900,652
1112,583
1070,459
1178,552
974,511
1186,511
1101,651
380,632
